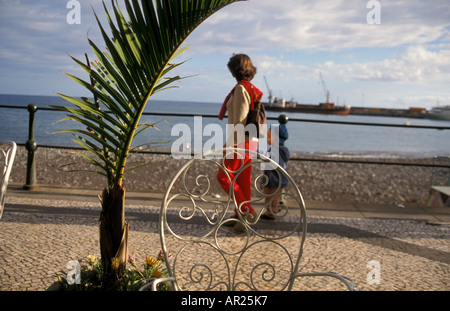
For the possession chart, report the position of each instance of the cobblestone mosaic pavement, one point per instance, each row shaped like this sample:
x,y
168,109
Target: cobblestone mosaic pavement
x,y
38,236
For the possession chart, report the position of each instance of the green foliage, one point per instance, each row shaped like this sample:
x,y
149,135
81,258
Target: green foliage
x,y
137,63
131,280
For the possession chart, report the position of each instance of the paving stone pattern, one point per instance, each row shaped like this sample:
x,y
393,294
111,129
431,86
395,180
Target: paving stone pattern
x,y
38,237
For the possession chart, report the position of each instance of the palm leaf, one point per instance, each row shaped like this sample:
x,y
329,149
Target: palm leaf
x,y
140,49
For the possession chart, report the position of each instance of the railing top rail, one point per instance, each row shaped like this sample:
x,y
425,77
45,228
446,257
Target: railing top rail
x,y
166,114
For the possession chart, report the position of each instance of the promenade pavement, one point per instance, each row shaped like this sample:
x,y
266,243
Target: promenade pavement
x,y
42,230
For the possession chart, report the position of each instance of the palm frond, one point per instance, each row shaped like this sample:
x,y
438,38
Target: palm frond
x,y
136,64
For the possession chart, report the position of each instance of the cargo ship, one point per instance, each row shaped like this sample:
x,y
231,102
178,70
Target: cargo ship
x,y
327,107
322,108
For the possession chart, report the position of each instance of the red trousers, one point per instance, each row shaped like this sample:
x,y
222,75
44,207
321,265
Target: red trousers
x,y
242,186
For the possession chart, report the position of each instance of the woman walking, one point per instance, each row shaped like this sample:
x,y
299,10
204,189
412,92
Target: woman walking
x,y
238,104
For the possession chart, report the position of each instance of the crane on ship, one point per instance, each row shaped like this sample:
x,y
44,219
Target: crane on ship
x,y
325,90
269,90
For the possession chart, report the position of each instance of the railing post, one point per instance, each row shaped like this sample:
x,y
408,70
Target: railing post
x,y
31,145
283,119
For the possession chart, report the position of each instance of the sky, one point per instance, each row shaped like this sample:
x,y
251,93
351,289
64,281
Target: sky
x,y
390,54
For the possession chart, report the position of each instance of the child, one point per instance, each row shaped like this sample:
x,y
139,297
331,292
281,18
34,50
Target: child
x,y
274,187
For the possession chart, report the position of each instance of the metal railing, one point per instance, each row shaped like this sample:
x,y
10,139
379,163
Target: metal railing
x,y
31,144
165,114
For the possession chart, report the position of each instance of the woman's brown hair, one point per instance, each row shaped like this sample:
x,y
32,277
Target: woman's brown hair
x,y
241,67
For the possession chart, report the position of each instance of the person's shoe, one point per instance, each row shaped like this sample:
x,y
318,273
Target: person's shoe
x,y
267,217
239,227
230,222
251,218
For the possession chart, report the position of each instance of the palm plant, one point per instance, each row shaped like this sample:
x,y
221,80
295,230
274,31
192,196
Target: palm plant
x,y
136,65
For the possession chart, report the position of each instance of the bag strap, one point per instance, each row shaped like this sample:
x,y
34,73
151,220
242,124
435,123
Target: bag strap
x,y
252,91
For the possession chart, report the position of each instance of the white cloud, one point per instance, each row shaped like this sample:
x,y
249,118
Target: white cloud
x,y
36,40
418,65
319,25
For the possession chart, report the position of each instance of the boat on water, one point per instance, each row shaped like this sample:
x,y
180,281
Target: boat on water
x,y
280,104
322,108
439,113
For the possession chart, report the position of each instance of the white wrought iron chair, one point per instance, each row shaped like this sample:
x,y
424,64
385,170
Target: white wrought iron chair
x,y
8,152
202,252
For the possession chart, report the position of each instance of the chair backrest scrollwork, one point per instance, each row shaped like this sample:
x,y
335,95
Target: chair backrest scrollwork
x,y
202,248
8,153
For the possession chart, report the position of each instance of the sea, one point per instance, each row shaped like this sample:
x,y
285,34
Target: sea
x,y
305,136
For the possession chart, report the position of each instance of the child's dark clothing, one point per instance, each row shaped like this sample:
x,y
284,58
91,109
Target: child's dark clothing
x,y
273,175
